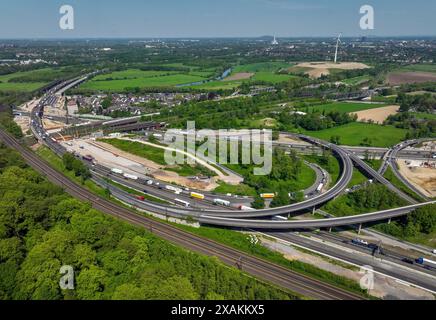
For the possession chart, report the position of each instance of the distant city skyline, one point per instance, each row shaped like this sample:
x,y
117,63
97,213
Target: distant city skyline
x,y
210,19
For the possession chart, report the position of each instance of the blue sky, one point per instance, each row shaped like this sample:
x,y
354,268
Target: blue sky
x,y
214,18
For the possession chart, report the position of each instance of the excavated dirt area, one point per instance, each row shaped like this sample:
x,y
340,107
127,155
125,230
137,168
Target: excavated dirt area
x,y
318,69
422,177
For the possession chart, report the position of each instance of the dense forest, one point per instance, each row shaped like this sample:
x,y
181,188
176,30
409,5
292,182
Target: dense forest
x,y
42,229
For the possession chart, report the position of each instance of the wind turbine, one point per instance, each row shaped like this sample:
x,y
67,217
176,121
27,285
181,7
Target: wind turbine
x,y
337,47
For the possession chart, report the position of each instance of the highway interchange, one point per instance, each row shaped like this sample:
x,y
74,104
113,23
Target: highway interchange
x,y
211,215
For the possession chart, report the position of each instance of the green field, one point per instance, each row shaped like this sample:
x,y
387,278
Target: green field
x,y
306,177
218,85
266,71
269,67
420,68
133,78
356,80
345,107
131,74
21,87
354,133
272,77
34,79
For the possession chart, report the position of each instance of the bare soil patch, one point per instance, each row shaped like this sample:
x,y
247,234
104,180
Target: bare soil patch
x,y
398,78
239,76
378,115
51,125
318,69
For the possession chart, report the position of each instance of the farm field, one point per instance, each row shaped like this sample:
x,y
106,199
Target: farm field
x,y
345,107
119,81
354,133
420,67
399,77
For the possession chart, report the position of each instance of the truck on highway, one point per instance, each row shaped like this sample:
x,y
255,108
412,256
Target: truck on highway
x,y
426,262
118,171
321,185
267,195
130,176
142,198
181,202
197,195
221,202
174,189
245,208
88,158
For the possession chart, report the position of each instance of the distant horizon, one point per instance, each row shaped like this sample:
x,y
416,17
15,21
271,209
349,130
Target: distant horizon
x,y
110,19
218,37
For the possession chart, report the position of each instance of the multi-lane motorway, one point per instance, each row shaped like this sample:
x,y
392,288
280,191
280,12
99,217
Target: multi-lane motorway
x,y
265,270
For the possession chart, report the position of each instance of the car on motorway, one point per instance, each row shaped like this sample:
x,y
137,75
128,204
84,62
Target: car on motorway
x,y
408,260
360,242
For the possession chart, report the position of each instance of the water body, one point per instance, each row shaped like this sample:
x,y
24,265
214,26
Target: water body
x,y
221,77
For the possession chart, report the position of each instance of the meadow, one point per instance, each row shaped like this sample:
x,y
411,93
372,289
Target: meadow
x,y
132,78
355,133
344,107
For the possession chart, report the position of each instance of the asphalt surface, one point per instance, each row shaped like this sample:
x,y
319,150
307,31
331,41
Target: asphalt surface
x,y
363,257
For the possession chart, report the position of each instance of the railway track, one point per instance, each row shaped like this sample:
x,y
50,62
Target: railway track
x,y
260,268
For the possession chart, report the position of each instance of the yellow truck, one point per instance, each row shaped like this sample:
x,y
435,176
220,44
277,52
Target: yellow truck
x,y
197,195
267,195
